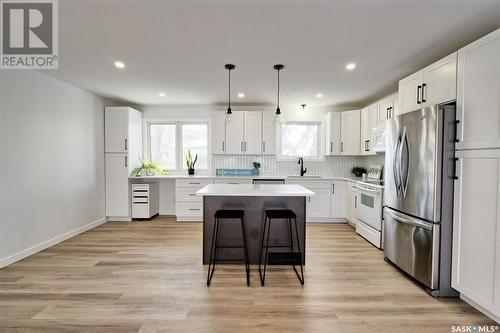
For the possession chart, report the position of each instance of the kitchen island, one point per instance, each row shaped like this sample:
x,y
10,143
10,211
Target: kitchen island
x,y
253,199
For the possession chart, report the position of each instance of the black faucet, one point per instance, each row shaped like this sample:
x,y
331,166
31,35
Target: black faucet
x,y
302,170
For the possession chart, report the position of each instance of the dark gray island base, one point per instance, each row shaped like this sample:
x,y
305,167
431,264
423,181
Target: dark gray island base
x,y
254,208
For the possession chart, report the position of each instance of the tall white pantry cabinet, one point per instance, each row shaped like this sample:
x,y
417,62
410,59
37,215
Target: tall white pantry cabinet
x,y
123,150
476,226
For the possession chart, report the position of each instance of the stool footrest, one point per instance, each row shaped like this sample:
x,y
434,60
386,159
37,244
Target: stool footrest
x,y
284,258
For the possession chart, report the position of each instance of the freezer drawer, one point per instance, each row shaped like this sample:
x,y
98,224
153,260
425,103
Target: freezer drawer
x,y
412,245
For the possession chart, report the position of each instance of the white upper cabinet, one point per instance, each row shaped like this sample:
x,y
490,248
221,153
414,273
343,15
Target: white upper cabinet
x,y
252,139
476,228
268,133
410,89
123,129
235,133
218,133
350,132
369,120
123,133
248,132
478,93
440,81
332,133
387,108
434,84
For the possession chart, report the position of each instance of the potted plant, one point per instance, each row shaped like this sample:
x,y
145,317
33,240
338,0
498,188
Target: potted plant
x,y
190,162
256,166
148,168
358,171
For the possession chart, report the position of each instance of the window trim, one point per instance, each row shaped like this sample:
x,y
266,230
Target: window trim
x,y
178,140
320,157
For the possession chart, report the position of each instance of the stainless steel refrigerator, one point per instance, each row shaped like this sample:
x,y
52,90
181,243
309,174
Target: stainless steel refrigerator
x,y
418,209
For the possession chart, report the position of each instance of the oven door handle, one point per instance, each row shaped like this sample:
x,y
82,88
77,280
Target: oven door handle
x,y
409,220
366,189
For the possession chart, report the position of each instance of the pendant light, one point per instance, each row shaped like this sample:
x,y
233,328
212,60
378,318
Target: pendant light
x,y
229,68
278,116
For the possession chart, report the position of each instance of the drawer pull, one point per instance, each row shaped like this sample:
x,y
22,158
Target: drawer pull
x,y
194,183
195,209
192,194
140,203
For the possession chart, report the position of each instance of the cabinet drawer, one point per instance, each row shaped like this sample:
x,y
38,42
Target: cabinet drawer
x,y
195,183
193,209
186,194
140,199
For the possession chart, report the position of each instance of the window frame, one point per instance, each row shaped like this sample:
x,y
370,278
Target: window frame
x,y
320,156
178,140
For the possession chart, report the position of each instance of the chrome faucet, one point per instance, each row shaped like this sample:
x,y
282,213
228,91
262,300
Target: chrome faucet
x,y
302,170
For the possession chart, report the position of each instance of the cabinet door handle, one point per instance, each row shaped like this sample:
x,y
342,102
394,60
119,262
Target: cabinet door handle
x,y
263,146
387,113
390,113
341,147
418,94
126,161
455,168
241,146
367,145
331,147
333,188
355,201
423,92
126,144
456,130
223,146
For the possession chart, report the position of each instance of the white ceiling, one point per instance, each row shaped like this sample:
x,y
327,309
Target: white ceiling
x,y
180,47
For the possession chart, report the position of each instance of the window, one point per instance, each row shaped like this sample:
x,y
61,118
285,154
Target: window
x,y
162,144
169,142
194,138
299,139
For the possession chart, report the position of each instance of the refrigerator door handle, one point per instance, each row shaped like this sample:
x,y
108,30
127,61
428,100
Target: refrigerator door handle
x,y
404,181
395,167
409,220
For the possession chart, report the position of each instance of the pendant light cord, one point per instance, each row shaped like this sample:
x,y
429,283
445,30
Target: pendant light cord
x,y
229,89
278,89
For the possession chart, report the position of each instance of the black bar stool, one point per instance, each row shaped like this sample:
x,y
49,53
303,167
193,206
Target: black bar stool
x,y
280,258
221,215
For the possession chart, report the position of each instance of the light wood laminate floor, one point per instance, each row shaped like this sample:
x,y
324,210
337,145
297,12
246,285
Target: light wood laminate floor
x,y
148,277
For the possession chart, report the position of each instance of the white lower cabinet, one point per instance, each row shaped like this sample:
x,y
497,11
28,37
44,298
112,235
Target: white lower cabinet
x,y
351,204
189,206
117,187
234,181
338,199
476,228
318,205
328,204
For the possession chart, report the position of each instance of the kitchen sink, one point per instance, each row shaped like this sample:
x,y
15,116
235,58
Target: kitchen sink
x,y
305,177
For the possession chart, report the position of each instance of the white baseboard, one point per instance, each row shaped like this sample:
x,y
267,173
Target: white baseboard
x,y
51,242
480,308
119,219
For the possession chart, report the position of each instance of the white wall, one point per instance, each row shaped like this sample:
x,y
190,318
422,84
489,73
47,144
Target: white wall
x,y
52,162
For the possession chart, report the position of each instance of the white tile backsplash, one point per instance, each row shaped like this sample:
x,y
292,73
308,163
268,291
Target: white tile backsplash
x,y
331,166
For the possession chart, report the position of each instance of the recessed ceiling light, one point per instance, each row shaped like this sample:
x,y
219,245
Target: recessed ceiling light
x,y
350,66
241,95
161,94
119,64
319,95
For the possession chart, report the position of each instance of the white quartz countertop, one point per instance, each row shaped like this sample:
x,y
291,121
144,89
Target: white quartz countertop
x,y
255,190
286,178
